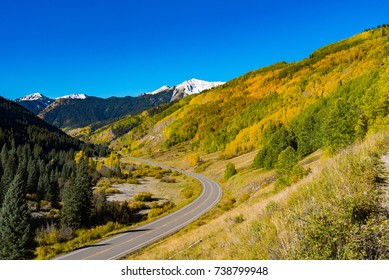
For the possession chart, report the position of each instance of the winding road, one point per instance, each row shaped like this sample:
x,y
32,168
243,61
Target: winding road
x,y
137,238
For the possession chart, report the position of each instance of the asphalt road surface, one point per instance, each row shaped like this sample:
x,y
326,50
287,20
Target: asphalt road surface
x,y
134,239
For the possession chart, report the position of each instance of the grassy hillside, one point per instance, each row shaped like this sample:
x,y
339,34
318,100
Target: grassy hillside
x,y
275,125
328,100
278,140
338,212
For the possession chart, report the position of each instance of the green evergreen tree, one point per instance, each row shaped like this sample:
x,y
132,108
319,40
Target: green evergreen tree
x,y
16,237
32,176
338,129
286,161
230,171
83,184
10,167
78,199
43,190
71,210
22,170
268,155
4,154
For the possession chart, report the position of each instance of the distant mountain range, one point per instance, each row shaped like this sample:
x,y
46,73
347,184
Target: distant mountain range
x,y
36,102
77,110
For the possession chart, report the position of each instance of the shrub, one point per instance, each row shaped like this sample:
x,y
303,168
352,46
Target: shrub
x,y
112,191
297,173
135,206
228,205
104,183
176,173
192,160
133,180
230,171
155,212
187,193
202,167
238,219
143,197
54,213
272,206
168,205
154,204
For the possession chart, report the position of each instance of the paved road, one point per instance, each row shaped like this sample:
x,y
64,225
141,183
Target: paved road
x,y
132,240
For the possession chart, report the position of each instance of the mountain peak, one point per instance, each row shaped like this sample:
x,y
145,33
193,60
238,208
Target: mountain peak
x,y
163,88
192,86
32,97
74,96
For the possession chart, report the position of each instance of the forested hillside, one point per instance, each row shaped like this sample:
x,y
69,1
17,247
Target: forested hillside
x,y
18,126
73,113
37,169
328,100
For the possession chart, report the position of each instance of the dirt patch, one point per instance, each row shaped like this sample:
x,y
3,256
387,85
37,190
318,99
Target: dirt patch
x,y
128,191
161,191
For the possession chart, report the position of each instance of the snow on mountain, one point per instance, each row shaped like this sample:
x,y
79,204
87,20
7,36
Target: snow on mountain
x,y
35,102
192,86
32,97
161,89
73,96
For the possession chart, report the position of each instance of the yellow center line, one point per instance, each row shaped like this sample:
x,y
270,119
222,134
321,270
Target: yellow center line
x,y
147,233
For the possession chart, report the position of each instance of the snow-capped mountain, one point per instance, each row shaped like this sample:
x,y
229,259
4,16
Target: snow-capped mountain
x,y
33,97
186,88
192,86
161,89
60,111
74,96
35,102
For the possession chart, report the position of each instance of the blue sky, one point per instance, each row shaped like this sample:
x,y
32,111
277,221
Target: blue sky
x,y
117,48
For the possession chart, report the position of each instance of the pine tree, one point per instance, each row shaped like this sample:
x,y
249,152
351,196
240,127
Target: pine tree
x,y
84,189
4,154
32,177
43,190
22,169
16,237
288,169
78,199
10,167
9,170
71,210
